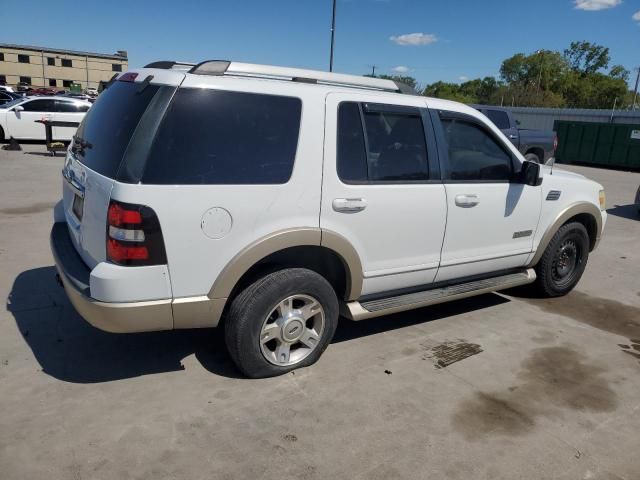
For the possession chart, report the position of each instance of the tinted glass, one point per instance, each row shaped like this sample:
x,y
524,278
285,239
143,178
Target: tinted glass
x,y
351,156
397,147
109,124
220,137
500,118
44,105
474,154
68,107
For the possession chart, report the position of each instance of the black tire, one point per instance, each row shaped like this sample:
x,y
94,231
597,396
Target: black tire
x,y
532,157
563,261
250,312
1,135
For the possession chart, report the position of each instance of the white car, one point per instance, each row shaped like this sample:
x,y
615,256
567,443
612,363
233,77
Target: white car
x,y
275,199
92,92
6,88
18,118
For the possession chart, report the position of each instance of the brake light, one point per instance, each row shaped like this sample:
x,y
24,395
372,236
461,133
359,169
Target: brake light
x,y
128,77
134,237
555,143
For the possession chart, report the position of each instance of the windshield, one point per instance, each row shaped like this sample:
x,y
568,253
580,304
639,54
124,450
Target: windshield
x,y
12,103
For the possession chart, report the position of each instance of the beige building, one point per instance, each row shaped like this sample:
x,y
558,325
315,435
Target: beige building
x,y
50,67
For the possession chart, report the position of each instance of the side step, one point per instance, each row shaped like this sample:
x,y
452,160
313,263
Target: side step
x,y
385,306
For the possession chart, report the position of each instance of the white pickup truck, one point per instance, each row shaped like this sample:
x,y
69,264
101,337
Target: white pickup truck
x,y
274,200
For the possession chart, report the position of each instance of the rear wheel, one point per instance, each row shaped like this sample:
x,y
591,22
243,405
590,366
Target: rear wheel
x,y
281,322
1,135
532,157
564,260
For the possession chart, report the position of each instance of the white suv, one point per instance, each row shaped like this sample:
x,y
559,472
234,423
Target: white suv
x,y
276,199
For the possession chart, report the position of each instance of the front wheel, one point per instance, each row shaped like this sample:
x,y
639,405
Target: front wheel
x,y
564,260
281,322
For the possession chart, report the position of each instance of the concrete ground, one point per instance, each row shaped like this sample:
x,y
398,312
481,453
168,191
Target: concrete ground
x,y
550,392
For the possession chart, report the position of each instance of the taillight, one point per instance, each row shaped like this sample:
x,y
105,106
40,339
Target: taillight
x,y
134,237
555,143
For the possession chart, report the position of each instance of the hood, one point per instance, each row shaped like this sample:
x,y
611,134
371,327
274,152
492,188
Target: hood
x,y
560,173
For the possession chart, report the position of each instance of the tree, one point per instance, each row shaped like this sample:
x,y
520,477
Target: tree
x,y
586,57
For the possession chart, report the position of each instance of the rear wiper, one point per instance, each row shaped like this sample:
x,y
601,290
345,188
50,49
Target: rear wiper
x,y
80,144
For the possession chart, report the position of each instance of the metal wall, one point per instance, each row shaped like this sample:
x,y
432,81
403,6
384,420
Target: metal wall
x,y
544,118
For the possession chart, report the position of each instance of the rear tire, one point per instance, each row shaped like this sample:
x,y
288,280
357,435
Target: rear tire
x,y
563,261
281,322
532,157
1,135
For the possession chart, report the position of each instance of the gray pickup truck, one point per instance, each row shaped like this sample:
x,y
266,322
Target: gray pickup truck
x,y
536,145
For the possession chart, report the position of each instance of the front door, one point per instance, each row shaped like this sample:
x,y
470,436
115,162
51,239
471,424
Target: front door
x,y
22,124
382,189
67,111
491,221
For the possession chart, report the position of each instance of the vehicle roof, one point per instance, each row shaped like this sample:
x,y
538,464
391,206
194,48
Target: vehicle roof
x,y
55,97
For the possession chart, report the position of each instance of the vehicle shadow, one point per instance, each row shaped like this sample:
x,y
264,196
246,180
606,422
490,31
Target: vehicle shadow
x,y
631,211
69,349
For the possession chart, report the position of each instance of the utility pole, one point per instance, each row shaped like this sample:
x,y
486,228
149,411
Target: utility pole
x,y
373,70
635,90
333,32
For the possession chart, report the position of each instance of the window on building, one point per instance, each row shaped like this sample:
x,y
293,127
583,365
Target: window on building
x,y
23,59
26,80
395,148
66,62
67,83
53,82
474,154
116,67
51,61
1,57
3,79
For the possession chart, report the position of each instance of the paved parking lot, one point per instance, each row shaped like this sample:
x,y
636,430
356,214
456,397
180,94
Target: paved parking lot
x,y
550,390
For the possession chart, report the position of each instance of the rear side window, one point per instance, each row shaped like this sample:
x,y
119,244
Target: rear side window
x,y
109,124
43,105
222,137
474,154
389,147
500,118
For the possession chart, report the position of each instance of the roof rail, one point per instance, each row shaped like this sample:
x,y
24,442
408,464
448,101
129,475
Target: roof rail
x,y
170,65
226,67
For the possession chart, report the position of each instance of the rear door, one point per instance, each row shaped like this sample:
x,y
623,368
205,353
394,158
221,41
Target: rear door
x,y
382,189
491,222
70,112
22,124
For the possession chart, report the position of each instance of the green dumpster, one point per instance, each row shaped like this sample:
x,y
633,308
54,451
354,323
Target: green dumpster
x,y
606,144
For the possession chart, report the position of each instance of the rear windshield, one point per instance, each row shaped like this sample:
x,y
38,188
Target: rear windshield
x,y
223,137
105,132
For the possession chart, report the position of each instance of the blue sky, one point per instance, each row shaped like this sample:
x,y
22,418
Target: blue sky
x,y
454,39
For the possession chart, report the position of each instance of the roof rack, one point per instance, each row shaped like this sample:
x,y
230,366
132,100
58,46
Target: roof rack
x,y
238,69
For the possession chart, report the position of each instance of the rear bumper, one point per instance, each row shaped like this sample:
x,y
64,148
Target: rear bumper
x,y
120,317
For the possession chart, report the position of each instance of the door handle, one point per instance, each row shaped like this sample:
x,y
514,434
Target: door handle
x,y
349,205
467,201
513,137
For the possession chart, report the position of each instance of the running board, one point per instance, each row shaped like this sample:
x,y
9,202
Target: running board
x,y
385,306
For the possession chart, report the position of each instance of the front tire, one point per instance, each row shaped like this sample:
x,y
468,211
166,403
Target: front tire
x,y
281,322
563,261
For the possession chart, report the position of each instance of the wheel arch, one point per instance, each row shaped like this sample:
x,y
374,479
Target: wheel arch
x,y
325,252
584,212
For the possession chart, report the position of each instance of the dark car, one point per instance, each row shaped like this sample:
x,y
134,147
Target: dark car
x,y
536,145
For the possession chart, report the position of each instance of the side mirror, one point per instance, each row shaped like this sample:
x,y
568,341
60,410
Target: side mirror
x,y
18,108
518,123
529,174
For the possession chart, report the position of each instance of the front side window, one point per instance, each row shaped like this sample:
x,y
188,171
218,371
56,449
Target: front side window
x,y
223,137
42,105
23,58
474,154
389,147
68,107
